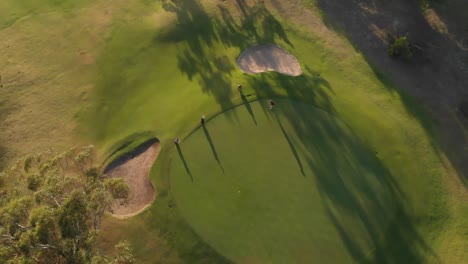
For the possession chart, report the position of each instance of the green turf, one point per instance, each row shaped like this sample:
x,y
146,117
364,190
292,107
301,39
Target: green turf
x,y
158,68
162,79
282,186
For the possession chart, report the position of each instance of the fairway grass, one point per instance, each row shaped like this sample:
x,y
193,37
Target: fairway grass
x,y
282,186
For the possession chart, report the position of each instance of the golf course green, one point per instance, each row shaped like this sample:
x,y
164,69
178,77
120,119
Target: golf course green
x,y
295,185
345,169
281,186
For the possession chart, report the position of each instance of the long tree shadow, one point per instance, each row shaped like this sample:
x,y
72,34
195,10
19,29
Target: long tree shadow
x,y
370,197
182,158
309,87
197,33
331,165
440,58
242,6
360,195
290,143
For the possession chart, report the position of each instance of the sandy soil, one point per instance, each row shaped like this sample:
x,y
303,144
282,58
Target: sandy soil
x,y
270,57
134,167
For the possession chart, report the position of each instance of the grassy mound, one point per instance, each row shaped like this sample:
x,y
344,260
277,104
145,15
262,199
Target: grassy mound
x,y
284,186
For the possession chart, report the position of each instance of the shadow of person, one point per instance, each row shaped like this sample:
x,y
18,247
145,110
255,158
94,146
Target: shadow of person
x,y
291,145
181,156
248,107
212,146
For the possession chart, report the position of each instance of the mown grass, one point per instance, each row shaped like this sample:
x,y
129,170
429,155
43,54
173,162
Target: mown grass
x,y
157,68
275,186
190,67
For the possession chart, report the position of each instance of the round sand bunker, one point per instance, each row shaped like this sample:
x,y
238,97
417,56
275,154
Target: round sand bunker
x,y
264,58
134,168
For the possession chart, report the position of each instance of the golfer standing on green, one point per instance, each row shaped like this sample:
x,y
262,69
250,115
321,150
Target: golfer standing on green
x,y
272,104
202,120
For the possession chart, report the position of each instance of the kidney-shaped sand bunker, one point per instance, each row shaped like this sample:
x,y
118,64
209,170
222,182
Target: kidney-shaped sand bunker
x,y
134,167
264,58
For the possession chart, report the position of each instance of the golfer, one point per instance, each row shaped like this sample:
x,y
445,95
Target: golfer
x,y
272,104
202,120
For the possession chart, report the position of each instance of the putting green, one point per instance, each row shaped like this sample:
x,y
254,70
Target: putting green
x,y
289,185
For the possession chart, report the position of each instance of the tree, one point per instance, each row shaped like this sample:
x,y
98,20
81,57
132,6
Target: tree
x,y
54,212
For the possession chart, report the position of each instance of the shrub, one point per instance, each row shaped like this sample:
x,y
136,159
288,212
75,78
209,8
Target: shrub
x,y
401,48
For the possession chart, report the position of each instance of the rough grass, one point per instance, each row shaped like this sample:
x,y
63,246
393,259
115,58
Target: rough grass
x,y
13,11
47,72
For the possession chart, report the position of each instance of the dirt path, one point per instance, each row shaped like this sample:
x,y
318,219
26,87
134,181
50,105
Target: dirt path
x,y
134,167
263,58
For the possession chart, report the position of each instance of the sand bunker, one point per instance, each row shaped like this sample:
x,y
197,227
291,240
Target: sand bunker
x,y
269,57
134,167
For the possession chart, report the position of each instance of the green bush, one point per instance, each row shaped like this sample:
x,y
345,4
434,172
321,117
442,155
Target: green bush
x,y
400,48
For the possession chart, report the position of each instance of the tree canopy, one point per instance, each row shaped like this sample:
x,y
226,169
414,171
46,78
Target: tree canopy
x,y
53,212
